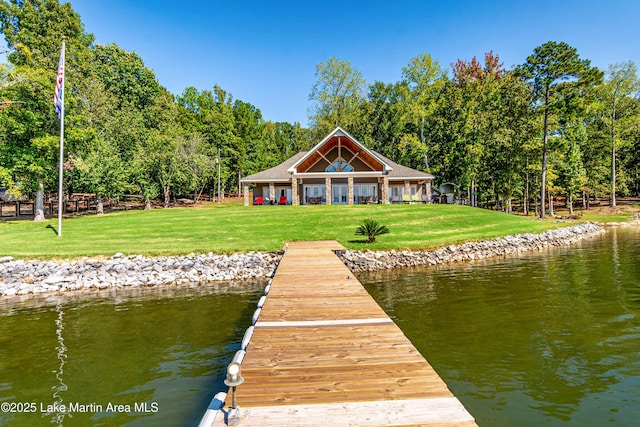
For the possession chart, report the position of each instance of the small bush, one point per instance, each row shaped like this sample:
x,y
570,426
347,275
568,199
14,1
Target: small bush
x,y
371,229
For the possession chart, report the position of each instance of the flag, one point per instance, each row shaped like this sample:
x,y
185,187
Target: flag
x,y
59,94
58,101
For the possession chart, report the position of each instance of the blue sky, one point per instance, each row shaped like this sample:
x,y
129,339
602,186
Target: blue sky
x,y
265,52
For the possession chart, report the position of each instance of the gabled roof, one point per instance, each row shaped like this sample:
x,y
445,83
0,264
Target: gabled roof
x,y
284,171
277,173
316,153
404,172
280,173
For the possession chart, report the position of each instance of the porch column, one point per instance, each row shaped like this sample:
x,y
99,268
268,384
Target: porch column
x,y
427,187
245,191
385,190
407,187
295,200
272,192
350,189
327,184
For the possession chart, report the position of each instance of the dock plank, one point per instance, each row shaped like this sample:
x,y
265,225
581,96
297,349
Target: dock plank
x,y
323,352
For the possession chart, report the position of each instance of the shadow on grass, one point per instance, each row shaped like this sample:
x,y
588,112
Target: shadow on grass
x,y
55,231
365,241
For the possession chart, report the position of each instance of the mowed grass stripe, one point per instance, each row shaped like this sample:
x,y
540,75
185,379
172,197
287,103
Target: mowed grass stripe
x,y
231,227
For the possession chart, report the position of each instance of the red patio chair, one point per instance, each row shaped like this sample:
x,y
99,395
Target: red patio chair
x,y
283,200
258,200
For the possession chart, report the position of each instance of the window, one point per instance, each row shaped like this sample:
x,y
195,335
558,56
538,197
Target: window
x,y
365,193
339,194
339,165
314,194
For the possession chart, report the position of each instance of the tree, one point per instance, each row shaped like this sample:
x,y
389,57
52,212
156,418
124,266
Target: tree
x,y
211,114
424,79
105,172
248,130
33,30
337,94
478,86
155,147
629,153
506,128
29,144
447,134
196,161
552,68
125,76
7,79
572,171
621,84
386,117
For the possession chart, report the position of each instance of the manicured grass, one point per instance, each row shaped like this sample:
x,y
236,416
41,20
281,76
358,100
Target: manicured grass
x,y
234,228
620,216
603,213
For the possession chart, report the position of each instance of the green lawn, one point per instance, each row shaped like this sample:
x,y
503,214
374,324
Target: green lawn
x,y
233,228
620,216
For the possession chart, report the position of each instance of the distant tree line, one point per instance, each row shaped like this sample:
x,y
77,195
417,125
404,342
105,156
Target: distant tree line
x,y
553,126
124,132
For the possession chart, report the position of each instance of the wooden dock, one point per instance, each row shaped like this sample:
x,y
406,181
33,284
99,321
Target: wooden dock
x,y
324,353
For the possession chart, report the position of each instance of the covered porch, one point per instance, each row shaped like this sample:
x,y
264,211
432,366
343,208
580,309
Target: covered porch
x,y
337,190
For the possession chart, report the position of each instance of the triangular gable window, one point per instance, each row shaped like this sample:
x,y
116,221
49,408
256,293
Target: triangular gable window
x,y
362,158
339,165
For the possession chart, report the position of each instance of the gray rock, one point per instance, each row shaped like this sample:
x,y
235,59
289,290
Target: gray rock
x,y
370,261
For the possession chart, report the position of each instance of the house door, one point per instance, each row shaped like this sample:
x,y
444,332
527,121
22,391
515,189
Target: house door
x,y
339,194
314,194
396,194
281,193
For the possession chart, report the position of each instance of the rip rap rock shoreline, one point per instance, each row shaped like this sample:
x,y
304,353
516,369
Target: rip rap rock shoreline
x,y
33,278
364,261
25,277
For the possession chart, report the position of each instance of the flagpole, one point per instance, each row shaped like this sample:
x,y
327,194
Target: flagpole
x,y
60,164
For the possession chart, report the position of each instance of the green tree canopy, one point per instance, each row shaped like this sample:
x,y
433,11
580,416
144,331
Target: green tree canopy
x,y
337,96
551,69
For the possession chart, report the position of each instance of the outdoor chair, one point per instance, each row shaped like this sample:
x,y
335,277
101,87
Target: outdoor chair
x,y
283,200
258,200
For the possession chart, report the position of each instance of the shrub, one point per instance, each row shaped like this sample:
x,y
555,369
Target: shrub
x,y
371,229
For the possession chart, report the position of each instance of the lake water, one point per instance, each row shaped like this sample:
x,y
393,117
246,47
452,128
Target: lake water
x,y
547,339
150,359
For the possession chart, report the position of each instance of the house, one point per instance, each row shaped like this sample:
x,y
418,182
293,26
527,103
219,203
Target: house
x,y
339,170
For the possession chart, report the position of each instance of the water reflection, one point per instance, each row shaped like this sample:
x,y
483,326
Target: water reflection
x,y
61,351
542,339
167,348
